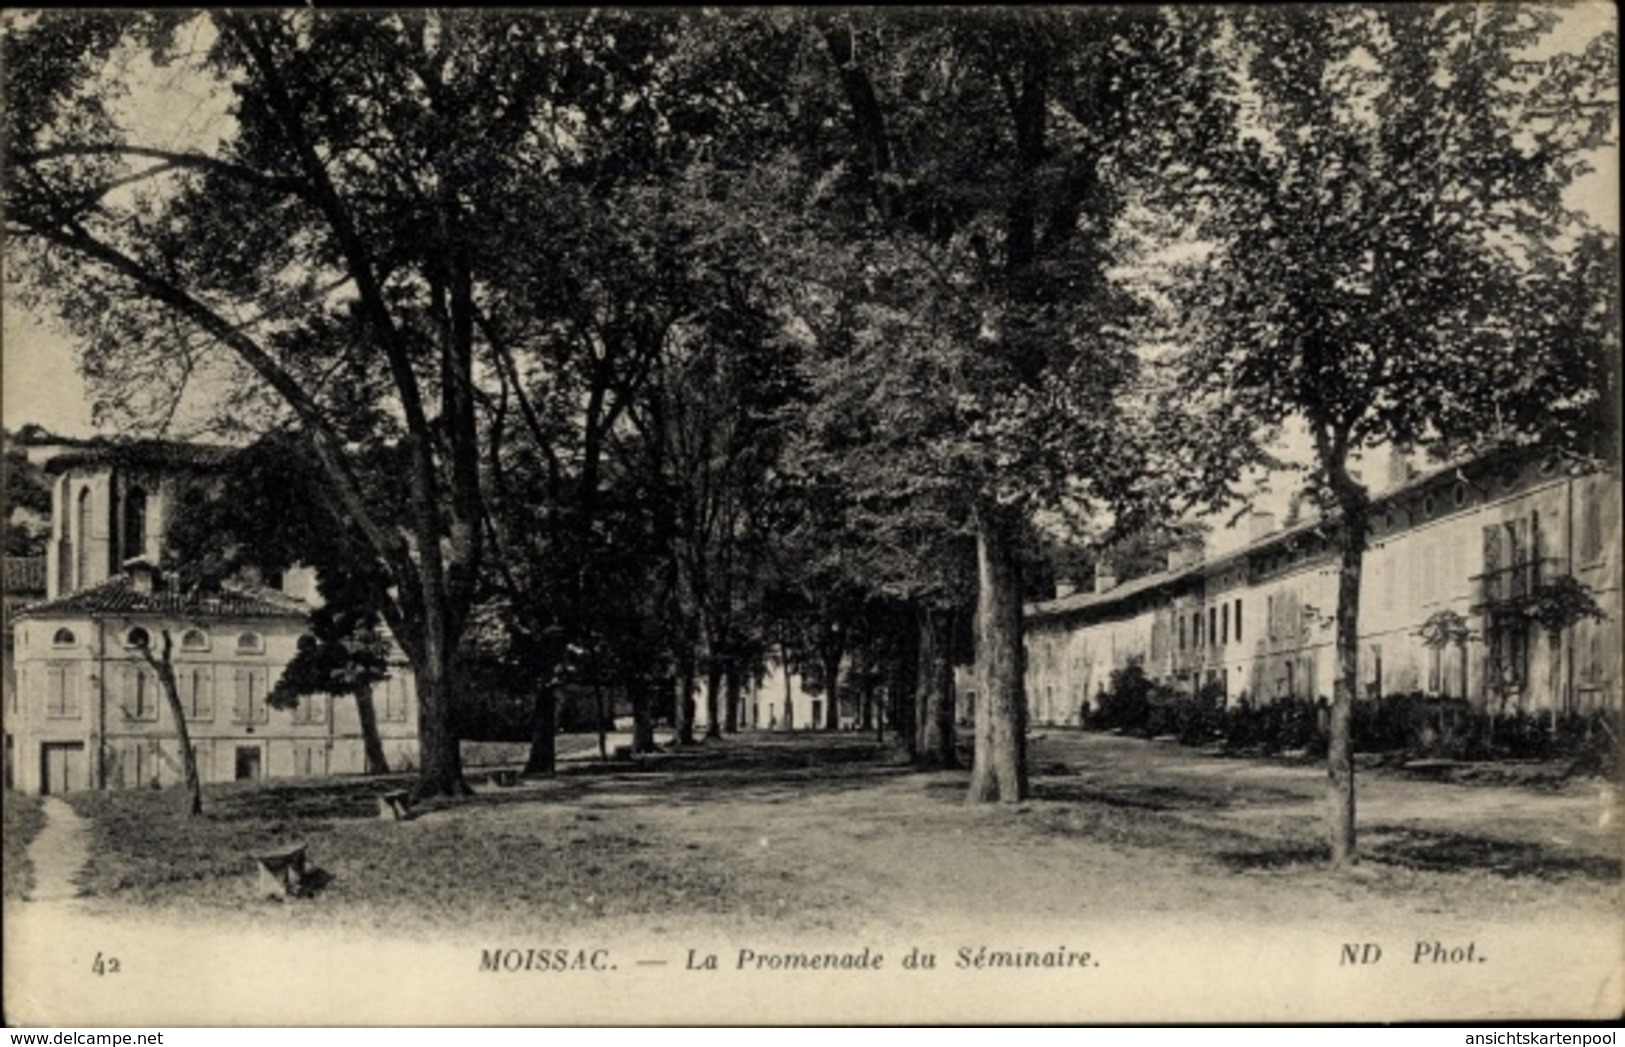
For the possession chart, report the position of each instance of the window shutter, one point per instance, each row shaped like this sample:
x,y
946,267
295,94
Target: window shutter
x,y
241,703
199,693
1492,562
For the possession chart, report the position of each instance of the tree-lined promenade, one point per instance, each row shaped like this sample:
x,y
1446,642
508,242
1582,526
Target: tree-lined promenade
x,y
634,350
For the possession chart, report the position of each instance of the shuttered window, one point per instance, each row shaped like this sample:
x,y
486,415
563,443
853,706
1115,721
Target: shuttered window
x,y
140,696
248,705
197,691
61,692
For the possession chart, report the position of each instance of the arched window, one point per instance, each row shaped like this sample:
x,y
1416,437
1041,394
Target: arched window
x,y
81,535
63,638
250,643
135,523
137,637
194,640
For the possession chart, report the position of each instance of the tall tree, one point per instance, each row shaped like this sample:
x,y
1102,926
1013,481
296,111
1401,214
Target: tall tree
x,y
976,188
334,244
1393,262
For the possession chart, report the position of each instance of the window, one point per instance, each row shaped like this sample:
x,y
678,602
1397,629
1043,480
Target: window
x,y
1224,623
194,640
1374,680
1459,495
1591,530
248,705
310,759
137,764
312,708
1269,613
395,699
1213,625
250,643
1509,654
139,698
135,523
61,692
81,535
63,638
197,691
137,637
1181,632
1238,619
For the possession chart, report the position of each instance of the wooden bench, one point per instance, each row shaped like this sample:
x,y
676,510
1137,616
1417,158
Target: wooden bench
x,y
281,874
395,806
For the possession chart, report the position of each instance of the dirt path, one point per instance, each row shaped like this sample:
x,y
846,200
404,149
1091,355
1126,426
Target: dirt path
x,y
59,853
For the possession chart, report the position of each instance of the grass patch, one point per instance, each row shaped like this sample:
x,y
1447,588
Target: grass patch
x,y
529,858
24,818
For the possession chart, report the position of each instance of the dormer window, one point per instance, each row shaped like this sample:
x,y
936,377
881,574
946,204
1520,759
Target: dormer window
x,y
63,638
137,637
250,643
194,640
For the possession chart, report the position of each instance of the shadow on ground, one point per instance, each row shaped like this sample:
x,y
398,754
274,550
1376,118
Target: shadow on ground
x,y
1426,850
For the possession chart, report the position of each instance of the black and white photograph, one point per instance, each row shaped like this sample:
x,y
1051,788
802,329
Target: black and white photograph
x,y
812,516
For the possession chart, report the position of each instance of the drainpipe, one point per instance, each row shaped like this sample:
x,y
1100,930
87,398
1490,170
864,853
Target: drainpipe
x,y
101,704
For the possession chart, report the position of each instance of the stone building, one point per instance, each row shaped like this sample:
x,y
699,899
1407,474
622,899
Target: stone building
x,y
87,711
1479,544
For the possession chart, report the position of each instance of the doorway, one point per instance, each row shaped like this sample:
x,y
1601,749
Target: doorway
x,y
62,767
248,763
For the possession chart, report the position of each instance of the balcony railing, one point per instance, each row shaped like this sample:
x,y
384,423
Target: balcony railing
x,y
1514,583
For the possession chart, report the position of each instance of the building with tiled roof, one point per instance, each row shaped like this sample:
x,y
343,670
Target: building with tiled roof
x,y
1480,540
87,710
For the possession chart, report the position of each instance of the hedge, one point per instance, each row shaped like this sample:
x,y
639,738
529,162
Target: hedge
x,y
1413,725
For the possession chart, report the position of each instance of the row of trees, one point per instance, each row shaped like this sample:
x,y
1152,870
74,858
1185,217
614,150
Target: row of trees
x,y
645,346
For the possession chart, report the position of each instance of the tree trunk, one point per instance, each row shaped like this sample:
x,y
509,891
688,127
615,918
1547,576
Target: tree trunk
x,y
544,731
942,737
999,768
683,702
832,689
441,770
165,668
789,698
1340,745
934,735
713,697
732,687
643,721
601,714
376,762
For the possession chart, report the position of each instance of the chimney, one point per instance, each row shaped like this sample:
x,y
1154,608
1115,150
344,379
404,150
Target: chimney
x,y
143,574
1105,577
1399,466
1260,525
1185,552
1064,587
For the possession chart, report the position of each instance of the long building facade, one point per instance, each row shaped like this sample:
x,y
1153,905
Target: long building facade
x,y
1456,561
86,711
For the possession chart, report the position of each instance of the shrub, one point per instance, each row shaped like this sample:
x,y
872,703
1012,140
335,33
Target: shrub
x,y
1409,725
